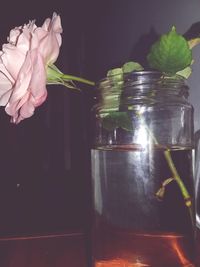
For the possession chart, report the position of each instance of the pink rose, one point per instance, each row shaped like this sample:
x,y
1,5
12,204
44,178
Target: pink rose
x,y
23,66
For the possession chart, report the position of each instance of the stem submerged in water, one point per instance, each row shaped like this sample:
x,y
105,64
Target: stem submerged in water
x,y
177,178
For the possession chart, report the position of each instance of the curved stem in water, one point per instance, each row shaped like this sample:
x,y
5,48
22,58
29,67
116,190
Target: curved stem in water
x,y
176,176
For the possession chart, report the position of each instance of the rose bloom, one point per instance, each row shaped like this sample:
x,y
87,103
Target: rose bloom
x,y
23,66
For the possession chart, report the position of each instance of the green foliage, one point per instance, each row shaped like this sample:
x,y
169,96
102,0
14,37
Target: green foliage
x,y
185,72
113,72
116,120
117,73
170,54
131,66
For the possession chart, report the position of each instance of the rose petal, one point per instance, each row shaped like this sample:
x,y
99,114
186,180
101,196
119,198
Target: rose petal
x,y
38,79
20,87
12,59
5,89
51,52
23,66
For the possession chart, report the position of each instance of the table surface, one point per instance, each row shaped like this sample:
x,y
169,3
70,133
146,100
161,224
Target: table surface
x,y
59,250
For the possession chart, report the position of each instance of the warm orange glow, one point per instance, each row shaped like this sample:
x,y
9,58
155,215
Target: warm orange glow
x,y
180,254
119,263
149,250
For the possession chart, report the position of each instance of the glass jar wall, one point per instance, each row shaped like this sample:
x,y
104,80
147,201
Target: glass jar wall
x,y
142,175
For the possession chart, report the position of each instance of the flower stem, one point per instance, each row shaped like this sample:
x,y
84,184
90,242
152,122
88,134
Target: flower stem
x,y
177,178
75,78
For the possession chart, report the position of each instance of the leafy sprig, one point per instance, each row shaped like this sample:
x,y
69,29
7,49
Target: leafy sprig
x,y
171,54
116,119
118,73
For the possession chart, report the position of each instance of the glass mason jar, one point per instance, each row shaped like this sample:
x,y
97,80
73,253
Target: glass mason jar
x,y
197,179
142,173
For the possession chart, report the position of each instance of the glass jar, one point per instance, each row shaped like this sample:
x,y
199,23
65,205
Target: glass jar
x,y
142,172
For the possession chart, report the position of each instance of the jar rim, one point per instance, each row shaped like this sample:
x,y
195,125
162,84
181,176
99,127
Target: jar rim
x,y
138,77
140,72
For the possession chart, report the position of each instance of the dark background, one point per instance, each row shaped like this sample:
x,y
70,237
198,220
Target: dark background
x,y
45,160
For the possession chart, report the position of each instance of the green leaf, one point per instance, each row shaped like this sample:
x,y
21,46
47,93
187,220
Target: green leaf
x,y
131,66
116,120
170,54
115,74
53,74
185,73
